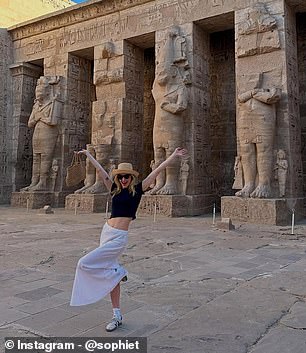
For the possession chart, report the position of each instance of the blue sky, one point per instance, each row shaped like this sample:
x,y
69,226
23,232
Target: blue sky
x,y
78,1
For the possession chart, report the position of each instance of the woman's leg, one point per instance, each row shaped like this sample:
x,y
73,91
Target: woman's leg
x,y
117,318
115,296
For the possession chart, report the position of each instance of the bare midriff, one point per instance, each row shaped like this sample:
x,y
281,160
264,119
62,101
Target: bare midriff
x,y
119,222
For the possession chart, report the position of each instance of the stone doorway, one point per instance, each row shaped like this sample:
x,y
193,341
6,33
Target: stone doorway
x,y
217,39
80,95
222,111
143,49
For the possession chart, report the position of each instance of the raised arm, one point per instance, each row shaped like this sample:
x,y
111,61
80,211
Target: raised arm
x,y
179,152
102,173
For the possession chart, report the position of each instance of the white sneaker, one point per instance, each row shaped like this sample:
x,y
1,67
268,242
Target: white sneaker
x,y
116,322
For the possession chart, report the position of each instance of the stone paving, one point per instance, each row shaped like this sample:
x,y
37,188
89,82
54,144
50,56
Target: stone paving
x,y
191,287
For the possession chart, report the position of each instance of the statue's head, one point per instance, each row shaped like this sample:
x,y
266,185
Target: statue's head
x,y
281,154
43,88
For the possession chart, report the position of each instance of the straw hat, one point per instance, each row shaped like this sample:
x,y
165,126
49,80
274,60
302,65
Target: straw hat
x,y
125,168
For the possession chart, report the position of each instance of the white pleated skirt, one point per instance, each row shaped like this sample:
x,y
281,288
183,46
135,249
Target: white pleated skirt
x,y
98,272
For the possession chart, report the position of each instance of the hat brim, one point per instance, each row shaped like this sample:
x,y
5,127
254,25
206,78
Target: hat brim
x,y
124,171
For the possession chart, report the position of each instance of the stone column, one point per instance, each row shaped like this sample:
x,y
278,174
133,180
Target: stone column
x,y
6,147
268,121
24,77
289,132
181,93
106,135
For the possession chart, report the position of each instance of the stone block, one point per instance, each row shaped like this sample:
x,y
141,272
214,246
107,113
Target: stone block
x,y
88,203
175,205
37,199
225,223
261,211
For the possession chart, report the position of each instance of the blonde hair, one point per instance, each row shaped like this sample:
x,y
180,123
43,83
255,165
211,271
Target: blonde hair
x,y
118,188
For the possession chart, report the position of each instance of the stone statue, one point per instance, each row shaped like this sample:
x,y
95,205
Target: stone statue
x,y
152,167
53,174
103,119
238,182
171,98
45,117
184,174
281,172
255,132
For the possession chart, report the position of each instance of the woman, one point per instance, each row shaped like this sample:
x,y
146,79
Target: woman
x,y
98,272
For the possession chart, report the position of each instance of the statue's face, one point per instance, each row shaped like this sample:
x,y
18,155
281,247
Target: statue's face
x,y
41,90
281,154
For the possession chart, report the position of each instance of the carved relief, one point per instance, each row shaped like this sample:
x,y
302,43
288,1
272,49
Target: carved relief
x,y
258,34
238,181
255,133
184,174
280,169
45,119
170,93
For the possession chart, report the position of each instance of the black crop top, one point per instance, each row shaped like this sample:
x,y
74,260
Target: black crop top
x,y
125,204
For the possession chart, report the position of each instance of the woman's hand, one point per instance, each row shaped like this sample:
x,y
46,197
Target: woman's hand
x,y
82,152
180,152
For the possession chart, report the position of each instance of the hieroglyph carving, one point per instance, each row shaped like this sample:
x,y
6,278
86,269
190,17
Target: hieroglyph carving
x,y
45,119
258,33
170,93
255,133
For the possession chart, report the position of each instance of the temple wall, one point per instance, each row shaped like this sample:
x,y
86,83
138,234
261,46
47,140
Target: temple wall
x,y
106,54
6,168
301,43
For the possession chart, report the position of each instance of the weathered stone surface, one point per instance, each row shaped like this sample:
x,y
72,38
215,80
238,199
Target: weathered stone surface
x,y
111,54
262,211
296,319
37,199
88,203
225,223
189,285
174,205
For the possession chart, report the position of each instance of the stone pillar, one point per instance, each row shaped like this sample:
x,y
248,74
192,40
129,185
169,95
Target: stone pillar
x,y
267,86
71,87
133,106
106,135
77,117
289,132
6,147
184,51
198,139
24,78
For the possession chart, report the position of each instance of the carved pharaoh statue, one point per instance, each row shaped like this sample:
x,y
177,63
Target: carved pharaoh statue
x,y
255,133
45,117
104,113
170,93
